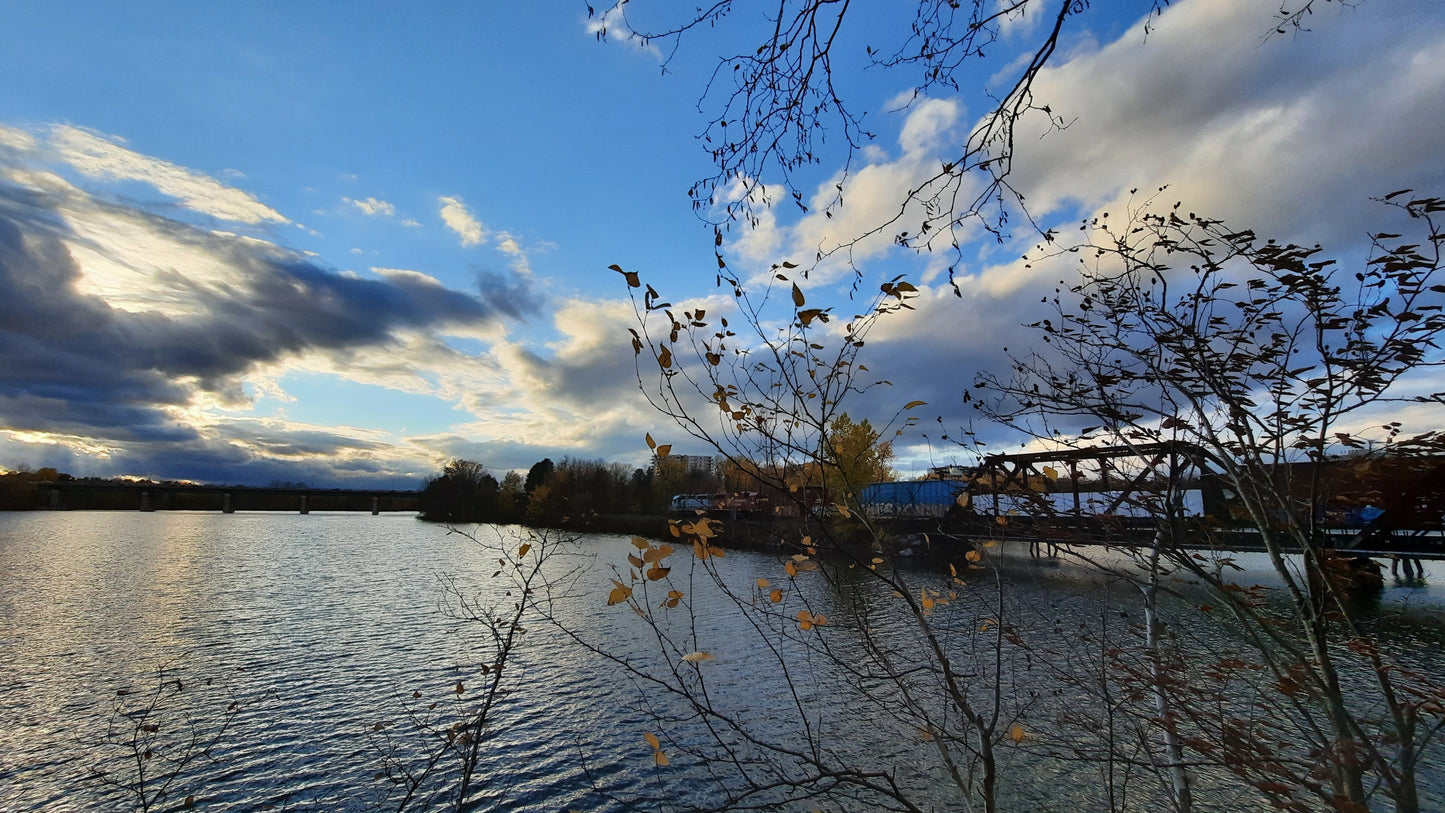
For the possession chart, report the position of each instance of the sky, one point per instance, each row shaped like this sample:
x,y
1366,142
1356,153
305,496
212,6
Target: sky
x,y
343,244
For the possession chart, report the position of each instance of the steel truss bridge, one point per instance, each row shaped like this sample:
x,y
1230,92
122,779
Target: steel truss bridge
x,y
1122,495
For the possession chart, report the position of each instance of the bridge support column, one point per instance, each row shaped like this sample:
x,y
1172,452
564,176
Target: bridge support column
x,y
145,501
304,509
375,505
226,507
55,500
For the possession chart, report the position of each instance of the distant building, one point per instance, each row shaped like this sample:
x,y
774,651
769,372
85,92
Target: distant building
x,y
952,472
705,464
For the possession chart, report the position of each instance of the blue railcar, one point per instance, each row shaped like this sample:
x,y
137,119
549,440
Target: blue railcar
x,y
912,498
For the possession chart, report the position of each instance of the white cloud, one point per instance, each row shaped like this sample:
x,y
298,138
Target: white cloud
x,y
508,244
19,140
612,24
1290,135
873,194
456,217
100,157
372,207
406,274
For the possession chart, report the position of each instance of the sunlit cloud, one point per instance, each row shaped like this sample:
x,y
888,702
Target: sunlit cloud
x,y
106,159
372,207
456,217
149,339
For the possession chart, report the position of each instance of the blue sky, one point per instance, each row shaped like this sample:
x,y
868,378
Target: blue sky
x,y
244,242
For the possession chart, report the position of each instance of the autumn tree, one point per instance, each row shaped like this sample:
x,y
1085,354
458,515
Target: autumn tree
x,y
855,456
765,388
1265,361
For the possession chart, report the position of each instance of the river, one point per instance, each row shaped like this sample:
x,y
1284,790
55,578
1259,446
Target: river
x,y
328,634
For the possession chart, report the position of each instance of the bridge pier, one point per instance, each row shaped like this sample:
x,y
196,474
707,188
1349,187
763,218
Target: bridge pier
x,y
375,505
55,500
145,501
304,509
226,507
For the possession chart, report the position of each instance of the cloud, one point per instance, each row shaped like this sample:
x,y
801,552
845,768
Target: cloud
x,y
456,217
136,336
101,157
1288,135
372,207
873,197
612,24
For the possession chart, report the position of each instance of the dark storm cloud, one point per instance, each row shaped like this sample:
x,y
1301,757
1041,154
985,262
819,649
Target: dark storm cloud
x,y
72,363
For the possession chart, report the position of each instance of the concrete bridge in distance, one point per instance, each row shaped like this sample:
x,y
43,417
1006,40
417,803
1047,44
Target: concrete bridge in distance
x,y
83,495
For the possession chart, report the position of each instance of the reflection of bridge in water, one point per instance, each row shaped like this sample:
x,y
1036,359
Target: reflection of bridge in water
x,y
142,496
1119,496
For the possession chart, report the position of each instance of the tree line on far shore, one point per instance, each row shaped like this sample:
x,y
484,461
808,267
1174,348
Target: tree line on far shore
x,y
551,493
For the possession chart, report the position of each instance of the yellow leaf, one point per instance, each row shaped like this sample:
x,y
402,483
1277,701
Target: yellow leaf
x,y
973,556
952,571
522,551
843,509
675,594
673,529
763,583
618,595
640,543
657,572
990,544
1016,733
660,758
877,560
1051,472
963,499
652,740
797,296
663,450
791,569
698,657
912,404
1002,520
651,444
634,560
805,619
776,596
927,605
